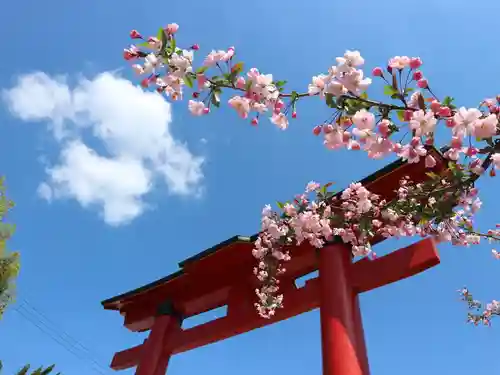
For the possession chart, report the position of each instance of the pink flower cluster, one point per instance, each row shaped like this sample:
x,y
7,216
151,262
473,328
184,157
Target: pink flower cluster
x,y
492,309
341,79
356,216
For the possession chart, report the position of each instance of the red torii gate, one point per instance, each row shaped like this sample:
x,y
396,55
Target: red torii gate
x,y
222,275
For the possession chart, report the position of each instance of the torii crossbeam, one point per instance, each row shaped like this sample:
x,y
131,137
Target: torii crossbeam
x,y
222,276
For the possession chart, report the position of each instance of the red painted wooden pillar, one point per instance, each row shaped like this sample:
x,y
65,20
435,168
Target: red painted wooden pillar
x,y
156,352
360,335
338,336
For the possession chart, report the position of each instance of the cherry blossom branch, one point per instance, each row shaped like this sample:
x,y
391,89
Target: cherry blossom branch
x,y
357,123
475,315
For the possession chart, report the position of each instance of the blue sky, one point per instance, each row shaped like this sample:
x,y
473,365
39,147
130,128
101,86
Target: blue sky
x,y
77,249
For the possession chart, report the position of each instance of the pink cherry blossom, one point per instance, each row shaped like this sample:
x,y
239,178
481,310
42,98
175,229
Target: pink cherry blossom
x,y
241,105
378,147
196,108
280,120
423,123
334,138
172,28
350,60
399,62
364,120
430,162
495,158
413,151
464,120
318,85
485,128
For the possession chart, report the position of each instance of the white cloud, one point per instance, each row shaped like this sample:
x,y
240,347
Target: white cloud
x,y
132,126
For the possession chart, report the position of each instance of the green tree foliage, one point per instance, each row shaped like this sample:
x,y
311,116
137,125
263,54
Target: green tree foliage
x,y
9,269
9,261
38,371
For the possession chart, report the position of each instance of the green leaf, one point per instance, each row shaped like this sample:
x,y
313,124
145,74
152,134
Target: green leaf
x,y
48,370
401,115
389,90
447,101
364,95
281,205
408,90
423,221
280,83
188,81
237,68
294,96
248,85
202,69
24,370
159,34
164,41
214,101
172,43
330,101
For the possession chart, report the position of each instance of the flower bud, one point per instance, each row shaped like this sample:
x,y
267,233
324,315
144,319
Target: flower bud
x,y
172,28
195,47
422,83
127,55
444,112
435,106
377,72
417,75
415,62
355,145
317,130
134,34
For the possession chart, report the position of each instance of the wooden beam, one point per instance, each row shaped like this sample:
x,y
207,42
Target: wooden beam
x,y
398,265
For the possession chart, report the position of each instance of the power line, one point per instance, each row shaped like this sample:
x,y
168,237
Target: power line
x,y
70,344
44,328
27,316
68,338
